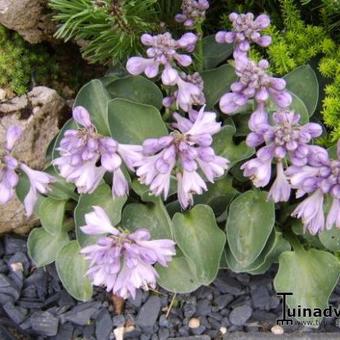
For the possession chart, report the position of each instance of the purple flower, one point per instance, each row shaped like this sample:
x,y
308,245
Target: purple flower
x,y
245,31
320,177
81,150
285,138
185,151
39,183
189,92
254,82
193,11
12,135
120,261
8,178
163,51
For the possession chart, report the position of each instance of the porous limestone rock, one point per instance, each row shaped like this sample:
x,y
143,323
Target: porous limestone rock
x,y
38,113
28,18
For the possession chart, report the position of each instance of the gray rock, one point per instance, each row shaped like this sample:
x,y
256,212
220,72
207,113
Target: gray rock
x,y
5,334
137,301
44,323
163,334
223,300
203,307
14,245
261,298
202,337
148,314
240,315
103,325
189,309
17,314
226,284
79,317
19,257
164,322
7,287
65,332
199,330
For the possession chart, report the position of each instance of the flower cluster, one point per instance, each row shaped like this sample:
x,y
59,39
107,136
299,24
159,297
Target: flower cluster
x,y
185,151
85,156
163,51
246,30
319,177
285,138
9,165
120,261
193,12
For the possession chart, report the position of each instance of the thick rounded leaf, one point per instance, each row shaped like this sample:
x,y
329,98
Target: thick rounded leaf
x,y
218,196
177,277
51,213
303,82
275,245
72,267
137,89
250,221
60,189
132,123
94,97
225,146
214,53
102,197
43,247
332,151
152,216
217,82
330,239
310,275
201,241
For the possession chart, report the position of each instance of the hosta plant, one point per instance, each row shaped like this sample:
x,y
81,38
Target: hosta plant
x,y
196,159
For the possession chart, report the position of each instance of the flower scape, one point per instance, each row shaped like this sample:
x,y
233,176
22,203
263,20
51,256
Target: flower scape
x,y
215,162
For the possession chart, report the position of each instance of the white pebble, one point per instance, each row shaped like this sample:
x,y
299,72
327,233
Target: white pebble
x,y
277,330
223,330
17,267
194,323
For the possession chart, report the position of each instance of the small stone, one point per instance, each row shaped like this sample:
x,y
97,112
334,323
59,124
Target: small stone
x,y
240,315
277,330
183,331
44,323
6,335
223,330
65,332
17,267
227,284
103,325
199,330
223,300
203,307
3,267
17,314
189,309
79,317
8,287
163,321
137,301
163,334
194,323
148,314
261,298
14,245
19,262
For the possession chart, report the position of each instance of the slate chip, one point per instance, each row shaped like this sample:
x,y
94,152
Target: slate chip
x,y
16,314
147,315
44,323
103,325
240,315
14,245
79,317
8,287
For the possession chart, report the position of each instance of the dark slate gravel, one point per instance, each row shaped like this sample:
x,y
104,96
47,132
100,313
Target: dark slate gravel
x,y
34,305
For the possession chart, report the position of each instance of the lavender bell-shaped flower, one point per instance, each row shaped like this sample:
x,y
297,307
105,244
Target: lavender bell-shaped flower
x,y
193,11
82,150
189,93
246,30
163,51
120,261
320,177
254,83
183,152
284,139
39,181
